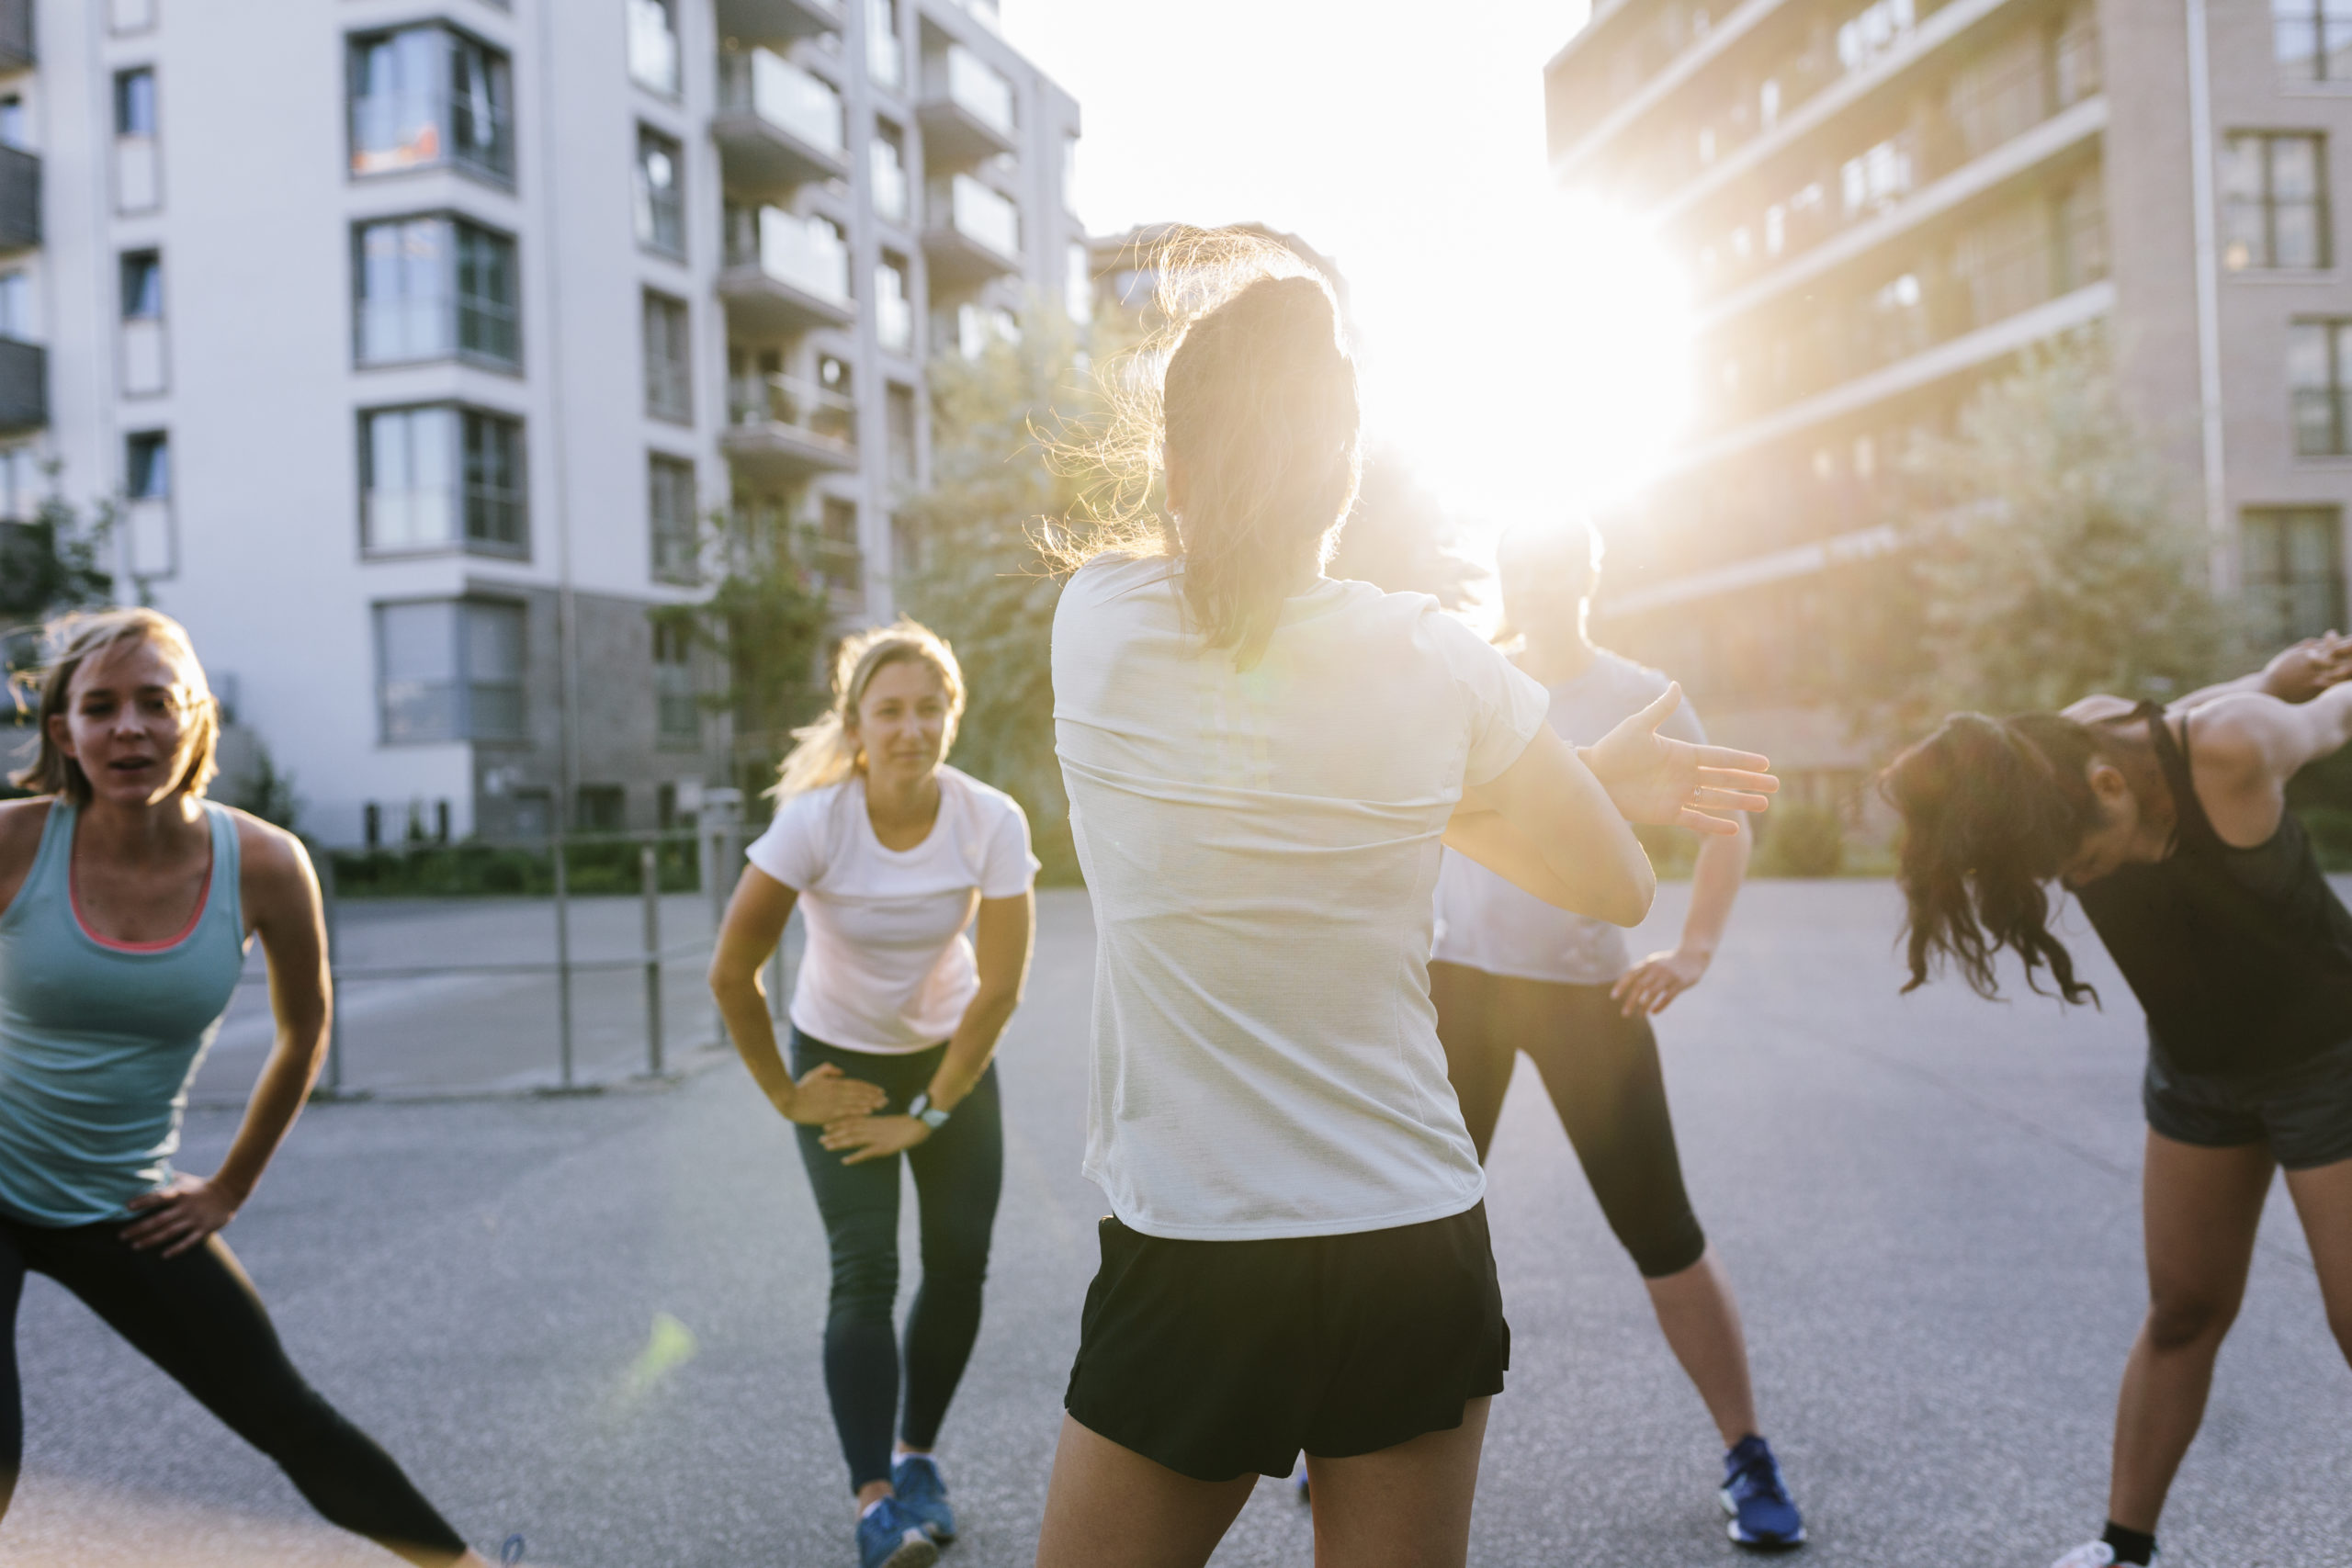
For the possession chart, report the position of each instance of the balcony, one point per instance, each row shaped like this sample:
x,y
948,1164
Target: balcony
x,y
777,125
966,109
784,274
15,35
23,385
759,21
970,232
19,200
780,429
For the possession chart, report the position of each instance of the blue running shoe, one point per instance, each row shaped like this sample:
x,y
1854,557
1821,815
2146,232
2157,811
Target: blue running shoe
x,y
888,1536
1762,1515
922,1496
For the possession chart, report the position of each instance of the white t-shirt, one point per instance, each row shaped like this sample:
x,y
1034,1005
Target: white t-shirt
x,y
888,968
1485,923
1260,846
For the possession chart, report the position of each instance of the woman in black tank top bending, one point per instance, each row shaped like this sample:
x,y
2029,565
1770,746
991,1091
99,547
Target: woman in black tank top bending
x,y
2171,828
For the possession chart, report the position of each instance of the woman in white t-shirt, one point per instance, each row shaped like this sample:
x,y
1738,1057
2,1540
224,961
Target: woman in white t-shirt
x,y
890,855
1261,765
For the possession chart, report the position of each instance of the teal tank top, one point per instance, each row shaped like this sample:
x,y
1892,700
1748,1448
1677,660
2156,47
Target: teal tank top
x,y
98,1041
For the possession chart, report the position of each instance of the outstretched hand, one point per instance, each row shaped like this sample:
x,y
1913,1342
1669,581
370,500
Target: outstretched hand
x,y
2302,673
1655,779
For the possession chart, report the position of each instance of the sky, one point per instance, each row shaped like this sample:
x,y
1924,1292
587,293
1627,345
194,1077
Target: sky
x,y
1523,348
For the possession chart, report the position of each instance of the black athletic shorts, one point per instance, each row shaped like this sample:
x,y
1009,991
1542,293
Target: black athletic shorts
x,y
2303,1112
1220,1357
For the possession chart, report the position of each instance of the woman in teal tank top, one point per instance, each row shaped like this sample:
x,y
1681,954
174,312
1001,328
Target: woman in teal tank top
x,y
126,903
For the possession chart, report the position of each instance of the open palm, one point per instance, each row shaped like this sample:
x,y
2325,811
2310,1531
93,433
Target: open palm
x,y
1653,778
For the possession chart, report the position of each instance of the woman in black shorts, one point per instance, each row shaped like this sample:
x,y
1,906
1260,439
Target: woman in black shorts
x,y
1512,973
1261,763
2170,827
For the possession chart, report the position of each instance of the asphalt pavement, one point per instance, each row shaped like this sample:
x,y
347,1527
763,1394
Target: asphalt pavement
x,y
595,1320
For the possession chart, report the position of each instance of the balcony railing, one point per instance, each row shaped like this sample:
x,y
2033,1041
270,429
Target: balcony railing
x,y
19,200
762,83
806,252
23,385
970,229
794,404
967,107
15,35
778,19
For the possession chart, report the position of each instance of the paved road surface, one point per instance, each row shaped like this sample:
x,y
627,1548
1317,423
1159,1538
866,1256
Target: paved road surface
x,y
1929,1204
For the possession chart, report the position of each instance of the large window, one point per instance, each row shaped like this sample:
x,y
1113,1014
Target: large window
x,y
653,45
677,711
2319,360
2291,568
441,478
449,669
670,519
434,288
427,95
2313,40
661,195
669,359
886,55
2274,201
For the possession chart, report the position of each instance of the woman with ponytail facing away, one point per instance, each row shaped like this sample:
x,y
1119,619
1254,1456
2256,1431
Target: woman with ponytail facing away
x,y
890,855
2170,827
1263,764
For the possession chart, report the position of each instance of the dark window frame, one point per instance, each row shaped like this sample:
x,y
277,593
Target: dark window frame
x,y
2322,207
651,208
459,307
140,450
151,258
2318,22
497,166
677,699
2270,597
2331,391
474,504
669,378
466,689
675,553
124,104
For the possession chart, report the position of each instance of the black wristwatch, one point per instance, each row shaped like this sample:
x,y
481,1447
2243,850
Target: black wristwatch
x,y
924,1111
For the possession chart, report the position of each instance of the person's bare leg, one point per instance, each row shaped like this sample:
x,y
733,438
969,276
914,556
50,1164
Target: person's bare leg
x,y
2324,1198
1403,1507
2202,1207
1701,1319
1108,1506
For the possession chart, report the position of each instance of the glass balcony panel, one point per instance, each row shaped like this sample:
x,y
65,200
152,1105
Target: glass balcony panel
x,y
979,90
894,313
807,252
978,213
890,192
886,56
763,82
652,46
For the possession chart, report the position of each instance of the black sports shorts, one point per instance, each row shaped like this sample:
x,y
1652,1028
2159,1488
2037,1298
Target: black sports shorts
x,y
1220,1357
2303,1112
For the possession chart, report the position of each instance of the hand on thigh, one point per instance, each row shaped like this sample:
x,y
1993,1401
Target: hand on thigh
x,y
1108,1506
1403,1507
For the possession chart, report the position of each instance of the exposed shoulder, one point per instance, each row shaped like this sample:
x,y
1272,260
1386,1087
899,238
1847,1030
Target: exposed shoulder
x,y
21,822
267,851
2098,708
2242,736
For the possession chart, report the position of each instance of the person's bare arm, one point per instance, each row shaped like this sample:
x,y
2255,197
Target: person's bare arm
x,y
753,926
21,822
1715,882
1547,826
1002,938
2245,747
2295,675
280,897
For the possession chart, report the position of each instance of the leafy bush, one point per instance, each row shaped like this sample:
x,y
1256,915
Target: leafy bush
x,y
1801,840
467,870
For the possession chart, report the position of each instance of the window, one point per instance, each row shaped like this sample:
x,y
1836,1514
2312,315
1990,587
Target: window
x,y
670,513
147,470
2274,201
439,478
1874,31
130,15
886,55
839,560
2313,40
429,96
153,542
677,714
17,307
886,159
138,171
669,376
449,669
602,808
1070,173
21,490
13,130
1077,283
433,288
144,372
894,313
2319,356
2290,569
653,45
899,435
660,198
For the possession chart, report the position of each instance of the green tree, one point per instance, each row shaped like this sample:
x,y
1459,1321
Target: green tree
x,y
766,619
2048,552
980,580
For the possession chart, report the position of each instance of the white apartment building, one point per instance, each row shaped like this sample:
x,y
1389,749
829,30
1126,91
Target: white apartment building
x,y
413,338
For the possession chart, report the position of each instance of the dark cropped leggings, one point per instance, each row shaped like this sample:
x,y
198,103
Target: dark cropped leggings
x,y
1602,1069
958,1171
198,1318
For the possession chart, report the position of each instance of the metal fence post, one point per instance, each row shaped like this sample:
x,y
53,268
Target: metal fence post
x,y
328,902
562,960
649,870
720,821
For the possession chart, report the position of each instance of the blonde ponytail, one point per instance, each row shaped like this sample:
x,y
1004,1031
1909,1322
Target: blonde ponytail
x,y
825,752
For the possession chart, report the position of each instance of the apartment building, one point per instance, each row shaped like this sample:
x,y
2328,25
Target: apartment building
x,y
1880,203
412,343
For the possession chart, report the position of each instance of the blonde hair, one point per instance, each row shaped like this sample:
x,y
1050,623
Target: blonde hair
x,y
72,641
1251,387
827,752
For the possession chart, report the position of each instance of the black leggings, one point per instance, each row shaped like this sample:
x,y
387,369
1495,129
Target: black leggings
x,y
198,1318
1603,1071
958,1171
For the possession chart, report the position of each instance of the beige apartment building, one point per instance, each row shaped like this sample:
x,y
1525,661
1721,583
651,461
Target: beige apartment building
x,y
1881,202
